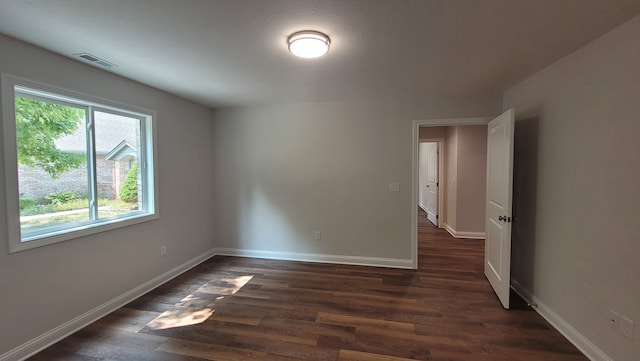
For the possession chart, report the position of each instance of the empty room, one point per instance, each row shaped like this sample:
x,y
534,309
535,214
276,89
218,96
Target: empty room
x,y
234,180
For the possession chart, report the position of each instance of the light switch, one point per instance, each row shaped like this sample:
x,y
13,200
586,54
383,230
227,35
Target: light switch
x,y
626,327
394,187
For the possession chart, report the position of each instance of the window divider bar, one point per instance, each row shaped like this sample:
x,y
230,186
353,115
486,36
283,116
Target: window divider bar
x,y
91,161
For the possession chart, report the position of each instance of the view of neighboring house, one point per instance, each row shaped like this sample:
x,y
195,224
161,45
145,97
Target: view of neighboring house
x,y
117,143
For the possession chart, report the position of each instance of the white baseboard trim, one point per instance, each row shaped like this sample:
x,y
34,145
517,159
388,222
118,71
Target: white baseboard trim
x,y
49,338
460,234
319,258
576,338
422,206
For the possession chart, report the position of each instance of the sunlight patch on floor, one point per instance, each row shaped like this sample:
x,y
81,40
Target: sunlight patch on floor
x,y
180,318
194,309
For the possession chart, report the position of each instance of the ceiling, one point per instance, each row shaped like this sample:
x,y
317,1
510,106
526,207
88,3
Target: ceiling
x,y
234,53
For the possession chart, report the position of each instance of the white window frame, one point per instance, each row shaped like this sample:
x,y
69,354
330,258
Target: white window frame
x,y
147,164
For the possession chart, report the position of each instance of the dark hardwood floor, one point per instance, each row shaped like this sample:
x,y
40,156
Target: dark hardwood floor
x,y
231,308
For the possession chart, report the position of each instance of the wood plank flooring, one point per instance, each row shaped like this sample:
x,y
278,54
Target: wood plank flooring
x,y
231,308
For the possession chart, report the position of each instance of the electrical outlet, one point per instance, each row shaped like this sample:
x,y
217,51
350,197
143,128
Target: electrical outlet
x,y
163,250
318,235
614,320
626,327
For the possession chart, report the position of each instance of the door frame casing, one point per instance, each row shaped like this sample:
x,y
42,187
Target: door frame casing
x,y
441,122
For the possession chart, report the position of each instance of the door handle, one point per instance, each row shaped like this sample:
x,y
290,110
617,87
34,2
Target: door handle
x,y
504,219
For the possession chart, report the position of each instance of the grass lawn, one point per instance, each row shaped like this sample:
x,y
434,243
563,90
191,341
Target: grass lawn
x,y
48,215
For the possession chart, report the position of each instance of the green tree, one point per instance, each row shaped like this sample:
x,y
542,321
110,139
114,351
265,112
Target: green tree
x,y
129,191
38,125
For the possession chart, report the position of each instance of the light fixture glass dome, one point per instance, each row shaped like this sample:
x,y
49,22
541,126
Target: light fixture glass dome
x,y
308,44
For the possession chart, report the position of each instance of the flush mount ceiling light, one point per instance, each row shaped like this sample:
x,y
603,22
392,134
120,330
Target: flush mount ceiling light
x,y
308,44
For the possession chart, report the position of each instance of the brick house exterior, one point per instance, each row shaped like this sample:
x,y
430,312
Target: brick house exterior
x,y
35,183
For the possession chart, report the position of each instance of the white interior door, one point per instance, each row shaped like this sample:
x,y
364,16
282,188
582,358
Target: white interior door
x,y
497,252
422,176
432,182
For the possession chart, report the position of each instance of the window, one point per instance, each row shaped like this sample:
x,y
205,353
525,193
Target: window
x,y
74,165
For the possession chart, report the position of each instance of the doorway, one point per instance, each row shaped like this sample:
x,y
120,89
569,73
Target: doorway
x,y
497,192
430,169
417,124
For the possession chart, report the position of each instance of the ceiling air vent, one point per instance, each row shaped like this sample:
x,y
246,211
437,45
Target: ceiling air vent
x,y
95,60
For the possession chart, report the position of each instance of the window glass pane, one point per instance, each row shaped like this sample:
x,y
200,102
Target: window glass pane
x,y
52,164
117,141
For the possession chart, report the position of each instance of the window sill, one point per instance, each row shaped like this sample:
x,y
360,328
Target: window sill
x,y
45,239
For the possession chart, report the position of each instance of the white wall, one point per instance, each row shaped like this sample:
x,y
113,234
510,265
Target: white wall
x,y
472,179
576,244
451,178
283,172
465,180
42,288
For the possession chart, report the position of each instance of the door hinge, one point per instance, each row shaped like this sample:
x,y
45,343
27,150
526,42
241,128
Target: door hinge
x,y
436,216
437,184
